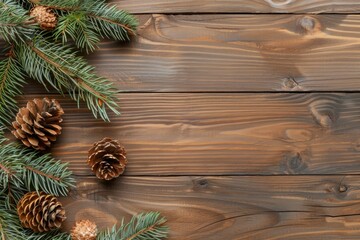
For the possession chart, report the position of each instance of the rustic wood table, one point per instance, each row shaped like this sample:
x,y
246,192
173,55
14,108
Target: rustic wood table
x,y
241,120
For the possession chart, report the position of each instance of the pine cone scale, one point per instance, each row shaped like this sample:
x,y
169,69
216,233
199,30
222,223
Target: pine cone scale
x,y
107,159
38,124
41,212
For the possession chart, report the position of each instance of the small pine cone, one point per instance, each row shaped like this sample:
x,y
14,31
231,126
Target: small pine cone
x,y
107,159
40,213
38,124
84,230
45,17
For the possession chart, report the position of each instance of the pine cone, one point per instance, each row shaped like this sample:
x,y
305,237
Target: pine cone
x,y
84,230
41,213
38,124
107,159
45,17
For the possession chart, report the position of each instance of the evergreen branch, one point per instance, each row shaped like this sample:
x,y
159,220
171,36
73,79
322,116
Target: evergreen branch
x,y
53,235
43,173
26,170
10,167
112,22
15,23
11,81
75,26
58,66
64,5
10,228
144,226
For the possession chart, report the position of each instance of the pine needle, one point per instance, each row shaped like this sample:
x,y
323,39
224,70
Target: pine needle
x,y
144,226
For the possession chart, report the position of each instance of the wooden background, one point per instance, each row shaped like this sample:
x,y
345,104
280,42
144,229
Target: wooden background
x,y
241,119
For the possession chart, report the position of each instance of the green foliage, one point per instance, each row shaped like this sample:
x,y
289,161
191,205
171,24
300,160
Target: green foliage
x,y
75,26
144,226
15,24
21,171
11,81
58,66
38,53
111,22
11,229
28,170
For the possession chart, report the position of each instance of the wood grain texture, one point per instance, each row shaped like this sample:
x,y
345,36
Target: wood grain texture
x,y
239,6
235,53
283,207
222,134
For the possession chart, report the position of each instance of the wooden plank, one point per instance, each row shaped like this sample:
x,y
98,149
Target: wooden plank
x,y
239,6
235,53
298,207
222,134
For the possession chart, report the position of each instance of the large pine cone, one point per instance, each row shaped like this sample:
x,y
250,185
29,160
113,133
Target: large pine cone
x,y
107,159
84,230
45,17
38,124
41,213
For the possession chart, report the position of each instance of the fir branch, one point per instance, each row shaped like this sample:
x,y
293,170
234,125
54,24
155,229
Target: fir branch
x,y
26,170
59,66
43,173
75,26
15,23
149,226
10,227
64,5
53,235
112,22
10,167
11,81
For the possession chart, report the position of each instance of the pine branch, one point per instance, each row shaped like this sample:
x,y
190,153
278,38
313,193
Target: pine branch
x,y
75,26
10,228
149,226
93,19
15,23
112,22
26,170
11,81
64,5
43,173
53,235
59,66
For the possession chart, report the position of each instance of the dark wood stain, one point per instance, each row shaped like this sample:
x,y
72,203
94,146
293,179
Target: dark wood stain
x,y
222,133
239,6
298,207
237,125
235,53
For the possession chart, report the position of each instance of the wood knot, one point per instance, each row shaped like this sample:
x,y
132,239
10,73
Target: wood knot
x,y
324,112
342,188
338,189
290,84
293,163
201,183
308,25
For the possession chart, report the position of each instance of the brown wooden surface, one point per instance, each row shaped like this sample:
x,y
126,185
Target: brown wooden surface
x,y
239,6
217,139
212,208
235,53
222,134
